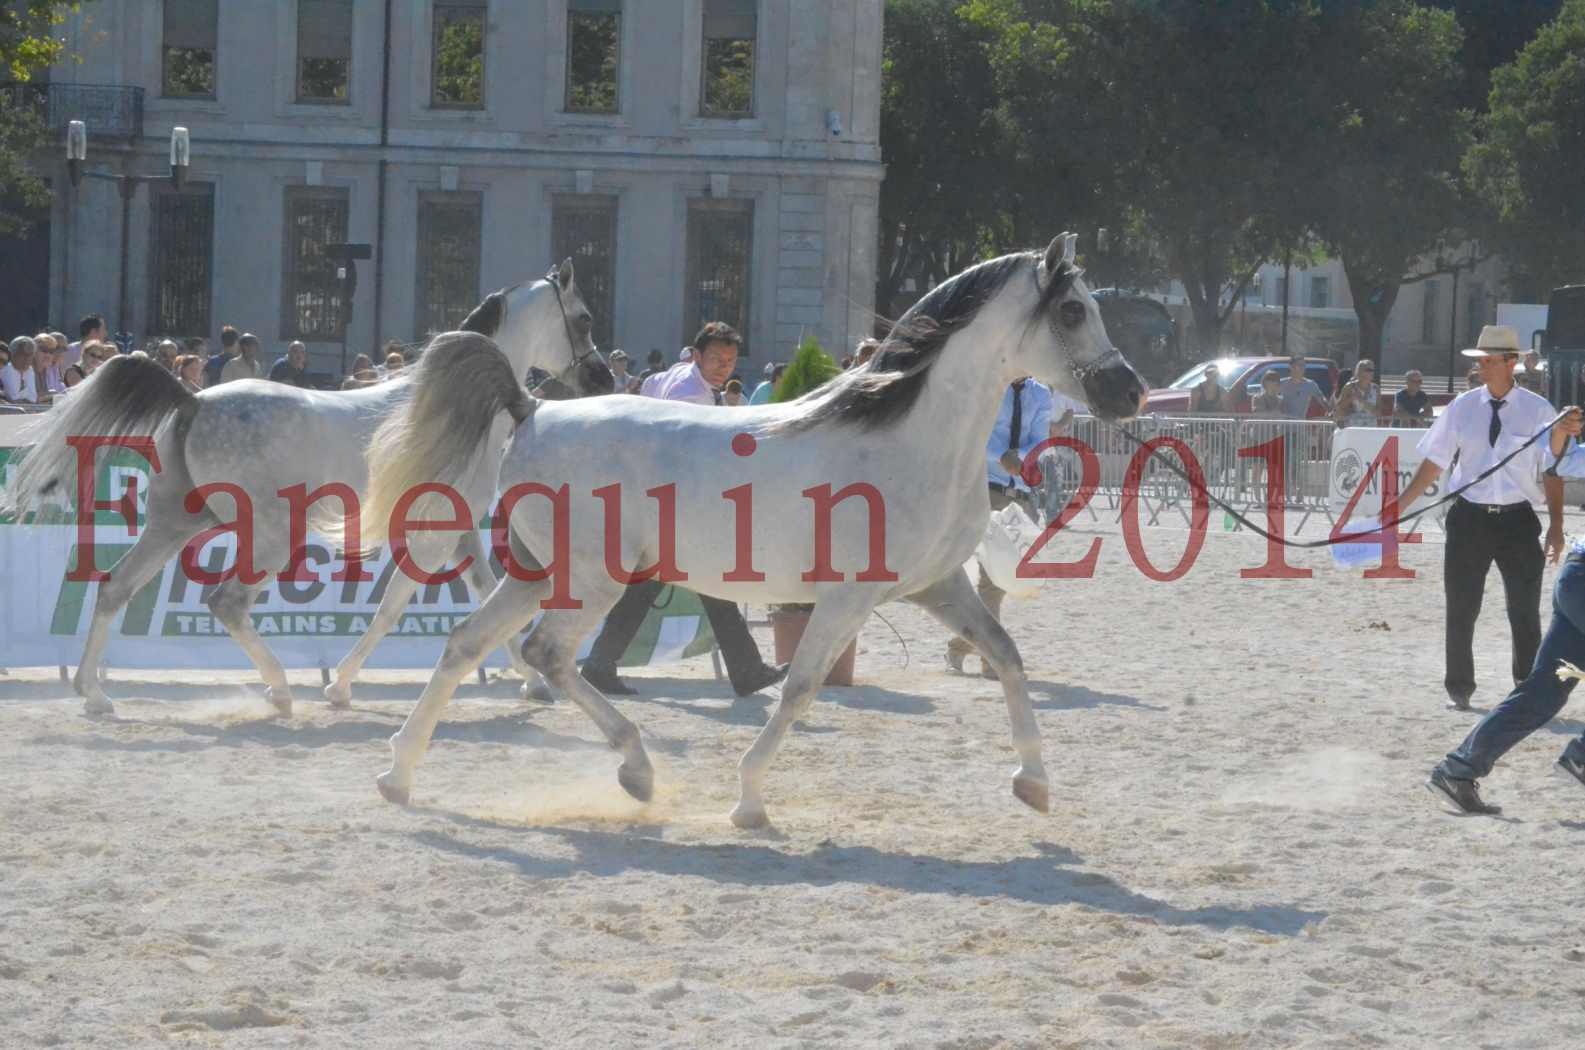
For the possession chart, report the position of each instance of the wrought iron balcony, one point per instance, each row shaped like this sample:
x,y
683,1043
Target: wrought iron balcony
x,y
111,111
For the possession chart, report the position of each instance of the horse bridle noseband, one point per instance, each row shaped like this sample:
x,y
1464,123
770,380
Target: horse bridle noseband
x,y
554,278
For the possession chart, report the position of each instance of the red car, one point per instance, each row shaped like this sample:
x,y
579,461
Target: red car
x,y
1240,377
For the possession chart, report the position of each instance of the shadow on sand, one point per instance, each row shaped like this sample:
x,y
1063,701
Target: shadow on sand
x,y
1061,696
1047,879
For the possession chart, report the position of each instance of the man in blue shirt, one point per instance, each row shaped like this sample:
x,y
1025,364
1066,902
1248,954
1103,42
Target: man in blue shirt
x,y
1535,701
1023,421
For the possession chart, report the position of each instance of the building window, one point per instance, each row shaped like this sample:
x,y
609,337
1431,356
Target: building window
x,y
458,68
1320,291
310,293
449,235
189,45
324,50
727,59
583,228
182,244
1429,311
594,34
720,256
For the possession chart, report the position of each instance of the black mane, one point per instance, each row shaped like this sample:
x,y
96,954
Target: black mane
x,y
887,387
486,317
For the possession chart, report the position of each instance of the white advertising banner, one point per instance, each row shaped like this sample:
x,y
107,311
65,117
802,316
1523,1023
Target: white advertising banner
x,y
308,623
1354,449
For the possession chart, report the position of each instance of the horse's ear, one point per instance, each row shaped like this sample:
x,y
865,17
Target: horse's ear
x,y
564,276
1053,257
486,317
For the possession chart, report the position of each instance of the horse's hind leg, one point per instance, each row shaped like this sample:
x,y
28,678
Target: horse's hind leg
x,y
833,624
954,602
505,611
158,544
552,647
398,591
232,603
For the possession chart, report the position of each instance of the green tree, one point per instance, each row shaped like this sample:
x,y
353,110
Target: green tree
x,y
810,368
28,44
943,204
1385,185
1183,115
1530,153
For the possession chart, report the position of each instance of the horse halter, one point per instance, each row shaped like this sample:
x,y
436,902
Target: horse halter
x,y
554,279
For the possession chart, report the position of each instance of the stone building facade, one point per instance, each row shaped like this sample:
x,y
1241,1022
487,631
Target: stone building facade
x,y
699,159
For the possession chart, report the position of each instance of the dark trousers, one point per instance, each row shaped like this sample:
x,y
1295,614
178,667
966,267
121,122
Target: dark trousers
x,y
1538,699
627,615
1475,539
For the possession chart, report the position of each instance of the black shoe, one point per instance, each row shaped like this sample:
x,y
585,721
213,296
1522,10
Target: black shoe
x,y
955,661
757,679
605,680
1572,766
1458,703
1462,793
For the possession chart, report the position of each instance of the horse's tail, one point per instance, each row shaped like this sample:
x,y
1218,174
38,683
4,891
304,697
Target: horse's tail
x,y
459,386
128,396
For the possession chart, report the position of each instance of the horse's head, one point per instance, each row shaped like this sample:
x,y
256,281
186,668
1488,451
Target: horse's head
x,y
1078,358
545,324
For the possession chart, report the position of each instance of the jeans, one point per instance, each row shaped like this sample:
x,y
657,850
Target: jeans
x,y
1535,701
1476,539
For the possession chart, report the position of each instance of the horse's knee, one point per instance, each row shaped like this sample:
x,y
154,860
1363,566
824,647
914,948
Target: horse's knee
x,y
1002,653
546,653
230,605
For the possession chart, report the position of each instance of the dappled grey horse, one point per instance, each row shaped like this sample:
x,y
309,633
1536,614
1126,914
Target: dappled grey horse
x,y
264,437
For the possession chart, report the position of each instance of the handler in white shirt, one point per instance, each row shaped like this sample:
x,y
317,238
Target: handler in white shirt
x,y
1495,519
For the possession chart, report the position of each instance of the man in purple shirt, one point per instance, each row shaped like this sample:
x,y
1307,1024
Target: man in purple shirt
x,y
697,380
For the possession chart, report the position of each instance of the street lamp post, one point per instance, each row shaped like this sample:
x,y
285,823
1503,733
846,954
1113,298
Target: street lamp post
x,y
1452,322
127,183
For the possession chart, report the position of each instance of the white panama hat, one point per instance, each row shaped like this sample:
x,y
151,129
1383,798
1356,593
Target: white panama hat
x,y
1496,339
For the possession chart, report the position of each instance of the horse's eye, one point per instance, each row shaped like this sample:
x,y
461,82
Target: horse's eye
x,y
586,322
1072,313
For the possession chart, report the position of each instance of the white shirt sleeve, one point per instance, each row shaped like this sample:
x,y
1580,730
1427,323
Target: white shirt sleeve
x,y
1440,443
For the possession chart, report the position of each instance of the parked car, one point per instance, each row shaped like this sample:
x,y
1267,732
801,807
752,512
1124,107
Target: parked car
x,y
1240,377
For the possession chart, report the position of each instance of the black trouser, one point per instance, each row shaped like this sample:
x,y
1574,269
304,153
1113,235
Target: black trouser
x,y
627,615
1476,537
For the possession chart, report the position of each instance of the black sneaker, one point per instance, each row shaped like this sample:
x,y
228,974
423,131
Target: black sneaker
x,y
1458,703
1462,793
757,679
606,680
1572,766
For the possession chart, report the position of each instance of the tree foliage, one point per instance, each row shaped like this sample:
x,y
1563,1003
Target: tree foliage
x,y
810,368
28,44
1531,154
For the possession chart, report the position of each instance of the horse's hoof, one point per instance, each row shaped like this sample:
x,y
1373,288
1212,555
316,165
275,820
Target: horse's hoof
x,y
391,791
640,782
539,690
749,817
1032,793
281,700
338,696
98,706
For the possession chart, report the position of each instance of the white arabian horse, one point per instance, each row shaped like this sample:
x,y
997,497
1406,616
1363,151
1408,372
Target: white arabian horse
x,y
907,433
265,437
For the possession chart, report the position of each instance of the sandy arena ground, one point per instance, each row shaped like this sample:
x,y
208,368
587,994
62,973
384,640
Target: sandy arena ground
x,y
1241,851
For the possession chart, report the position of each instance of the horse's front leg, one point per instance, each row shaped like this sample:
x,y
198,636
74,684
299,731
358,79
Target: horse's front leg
x,y
482,581
954,602
834,623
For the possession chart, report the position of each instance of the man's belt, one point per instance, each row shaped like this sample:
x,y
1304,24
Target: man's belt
x,y
1495,508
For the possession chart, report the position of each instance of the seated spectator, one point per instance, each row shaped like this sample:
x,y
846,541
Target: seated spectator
x,y
654,362
1411,406
246,364
732,395
46,366
625,383
166,353
215,367
91,329
1268,402
394,363
762,393
190,370
292,369
362,374
1356,402
18,379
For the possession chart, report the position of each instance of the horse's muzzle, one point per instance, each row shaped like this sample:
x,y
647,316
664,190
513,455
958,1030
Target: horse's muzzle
x,y
1115,392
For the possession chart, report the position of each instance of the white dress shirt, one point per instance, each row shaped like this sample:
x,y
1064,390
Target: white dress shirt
x,y
1464,428
1034,426
682,382
19,386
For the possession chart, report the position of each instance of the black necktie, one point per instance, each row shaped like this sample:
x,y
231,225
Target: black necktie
x,y
1018,417
1496,422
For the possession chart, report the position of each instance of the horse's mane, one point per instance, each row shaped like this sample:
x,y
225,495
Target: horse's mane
x,y
883,390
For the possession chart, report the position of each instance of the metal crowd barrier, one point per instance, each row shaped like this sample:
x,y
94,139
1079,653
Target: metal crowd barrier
x,y
1215,443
